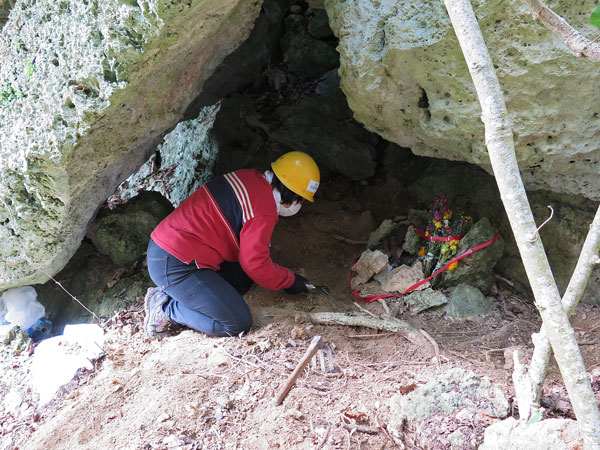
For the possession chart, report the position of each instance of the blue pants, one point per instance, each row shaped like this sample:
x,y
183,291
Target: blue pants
x,y
202,299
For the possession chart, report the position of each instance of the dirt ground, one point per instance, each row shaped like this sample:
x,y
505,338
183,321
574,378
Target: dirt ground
x,y
189,391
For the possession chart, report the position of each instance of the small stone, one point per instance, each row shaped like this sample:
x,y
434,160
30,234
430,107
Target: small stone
x,y
386,227
425,299
294,414
467,301
298,333
370,263
403,277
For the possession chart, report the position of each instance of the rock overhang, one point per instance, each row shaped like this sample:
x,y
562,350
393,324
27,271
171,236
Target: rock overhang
x,y
88,90
405,78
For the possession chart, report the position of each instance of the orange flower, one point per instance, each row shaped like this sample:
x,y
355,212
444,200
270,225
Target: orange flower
x,y
422,251
453,265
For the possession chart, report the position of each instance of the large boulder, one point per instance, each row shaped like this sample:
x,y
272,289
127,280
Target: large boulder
x,y
476,269
555,434
445,404
562,236
88,91
405,78
123,233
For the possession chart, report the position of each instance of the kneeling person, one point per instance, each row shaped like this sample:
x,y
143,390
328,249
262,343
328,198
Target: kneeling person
x,y
210,250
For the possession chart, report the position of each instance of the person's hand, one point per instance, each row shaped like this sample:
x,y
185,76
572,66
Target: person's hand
x,y
299,285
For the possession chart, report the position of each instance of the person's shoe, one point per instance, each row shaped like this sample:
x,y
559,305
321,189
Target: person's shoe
x,y
156,322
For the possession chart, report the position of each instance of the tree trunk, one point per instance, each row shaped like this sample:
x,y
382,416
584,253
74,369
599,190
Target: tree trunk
x,y
538,367
499,141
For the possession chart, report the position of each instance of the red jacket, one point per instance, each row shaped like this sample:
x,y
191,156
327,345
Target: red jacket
x,y
230,218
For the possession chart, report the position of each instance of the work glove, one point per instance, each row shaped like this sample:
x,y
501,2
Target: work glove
x,y
299,285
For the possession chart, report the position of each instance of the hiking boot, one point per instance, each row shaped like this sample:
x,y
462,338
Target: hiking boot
x,y
156,322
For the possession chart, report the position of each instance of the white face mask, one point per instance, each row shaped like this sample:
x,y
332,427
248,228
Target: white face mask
x,y
285,211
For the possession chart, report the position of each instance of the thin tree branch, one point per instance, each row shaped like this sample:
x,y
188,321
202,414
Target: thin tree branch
x,y
579,44
500,145
538,367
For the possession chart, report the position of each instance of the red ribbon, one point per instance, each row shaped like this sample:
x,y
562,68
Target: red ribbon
x,y
372,298
435,238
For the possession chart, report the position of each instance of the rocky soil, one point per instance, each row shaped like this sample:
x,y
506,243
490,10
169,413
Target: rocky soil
x,y
190,391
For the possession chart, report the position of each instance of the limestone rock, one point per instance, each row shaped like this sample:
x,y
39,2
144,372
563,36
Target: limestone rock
x,y
369,263
123,233
403,277
563,236
382,231
456,394
101,286
555,434
187,157
304,55
466,301
476,269
425,299
104,81
405,78
412,242
322,125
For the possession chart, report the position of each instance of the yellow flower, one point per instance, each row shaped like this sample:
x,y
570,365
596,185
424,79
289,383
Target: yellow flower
x,y
437,224
453,265
422,251
447,215
427,233
453,247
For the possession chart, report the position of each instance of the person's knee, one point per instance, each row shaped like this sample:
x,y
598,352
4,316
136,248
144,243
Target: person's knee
x,y
241,323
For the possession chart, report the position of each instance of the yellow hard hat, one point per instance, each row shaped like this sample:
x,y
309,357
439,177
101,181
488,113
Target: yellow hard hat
x,y
299,173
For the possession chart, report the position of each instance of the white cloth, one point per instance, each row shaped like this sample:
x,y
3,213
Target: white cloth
x,y
57,359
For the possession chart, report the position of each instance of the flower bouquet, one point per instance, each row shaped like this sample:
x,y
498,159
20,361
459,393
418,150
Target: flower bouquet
x,y
442,235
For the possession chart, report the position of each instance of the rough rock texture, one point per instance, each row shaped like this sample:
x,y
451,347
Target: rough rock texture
x,y
476,269
322,125
443,403
304,55
382,231
466,301
101,286
123,233
403,277
369,263
187,156
312,117
406,79
92,87
425,299
555,434
563,236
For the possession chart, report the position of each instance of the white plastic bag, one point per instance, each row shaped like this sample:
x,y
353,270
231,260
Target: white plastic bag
x,y
22,308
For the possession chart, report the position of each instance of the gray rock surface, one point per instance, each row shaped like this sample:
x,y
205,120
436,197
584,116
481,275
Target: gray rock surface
x,y
403,277
369,263
466,301
452,397
405,78
476,269
425,299
304,55
187,158
101,286
123,233
548,434
93,87
563,236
